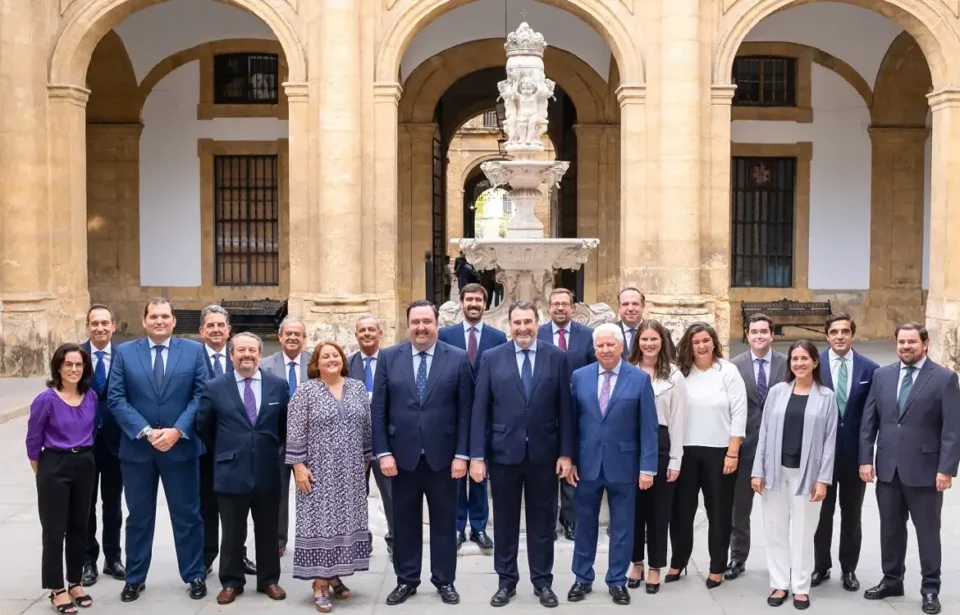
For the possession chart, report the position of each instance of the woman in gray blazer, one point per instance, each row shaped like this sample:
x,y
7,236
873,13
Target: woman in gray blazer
x,y
793,467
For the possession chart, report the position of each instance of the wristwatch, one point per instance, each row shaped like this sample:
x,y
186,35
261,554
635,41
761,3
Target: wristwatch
x,y
148,431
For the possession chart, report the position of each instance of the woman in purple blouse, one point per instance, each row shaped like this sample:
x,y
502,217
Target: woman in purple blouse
x,y
60,449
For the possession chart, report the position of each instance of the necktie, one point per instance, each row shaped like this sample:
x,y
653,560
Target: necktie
x,y
472,346
292,378
368,374
605,393
905,385
761,381
158,366
249,401
526,374
842,386
422,375
563,338
630,334
217,370
100,373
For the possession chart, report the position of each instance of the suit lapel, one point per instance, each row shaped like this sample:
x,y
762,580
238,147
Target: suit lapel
x,y
538,369
234,392
621,383
918,384
406,366
143,351
176,349
512,366
440,358
746,372
266,394
592,390
856,375
825,371
777,370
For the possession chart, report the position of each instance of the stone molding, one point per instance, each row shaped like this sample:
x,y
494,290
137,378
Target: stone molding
x,y
631,94
387,91
62,93
296,91
944,98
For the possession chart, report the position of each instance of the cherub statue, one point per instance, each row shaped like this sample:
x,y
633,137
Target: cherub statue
x,y
528,112
510,101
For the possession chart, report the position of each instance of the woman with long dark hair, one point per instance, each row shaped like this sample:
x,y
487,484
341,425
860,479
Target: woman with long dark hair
x,y
651,353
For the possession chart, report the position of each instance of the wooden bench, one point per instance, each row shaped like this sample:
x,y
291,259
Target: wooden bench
x,y
808,315
261,316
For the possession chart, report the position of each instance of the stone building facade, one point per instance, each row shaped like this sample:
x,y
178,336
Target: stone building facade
x,y
308,151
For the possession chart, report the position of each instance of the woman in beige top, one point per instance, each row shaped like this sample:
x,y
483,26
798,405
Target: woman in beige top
x,y
651,353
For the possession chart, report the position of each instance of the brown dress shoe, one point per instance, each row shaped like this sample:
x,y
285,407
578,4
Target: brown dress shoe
x,y
228,595
274,592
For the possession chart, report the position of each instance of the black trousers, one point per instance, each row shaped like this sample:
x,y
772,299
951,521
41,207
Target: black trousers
x,y
234,508
849,489
209,511
286,476
702,470
923,505
534,484
64,490
653,510
385,486
109,479
565,510
440,490
742,509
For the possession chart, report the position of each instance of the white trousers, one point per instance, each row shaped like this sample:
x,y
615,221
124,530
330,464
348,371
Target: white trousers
x,y
789,521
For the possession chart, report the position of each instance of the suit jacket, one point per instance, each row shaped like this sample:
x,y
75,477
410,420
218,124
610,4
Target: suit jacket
x,y
276,364
776,373
245,454
136,403
923,441
490,337
506,427
439,426
623,442
627,349
108,431
209,361
848,429
355,365
579,344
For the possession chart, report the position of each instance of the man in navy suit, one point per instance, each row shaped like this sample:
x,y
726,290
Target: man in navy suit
x,y
576,340
849,374
631,305
523,433
476,338
243,413
101,326
155,388
617,426
422,395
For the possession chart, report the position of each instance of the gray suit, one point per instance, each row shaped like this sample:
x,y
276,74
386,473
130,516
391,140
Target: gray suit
x,y
276,364
912,448
776,371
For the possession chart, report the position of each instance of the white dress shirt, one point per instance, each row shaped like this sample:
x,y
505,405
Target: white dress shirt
x,y
417,358
255,384
373,364
716,405
903,370
286,367
556,335
613,378
466,333
756,366
107,357
532,354
165,354
222,360
835,361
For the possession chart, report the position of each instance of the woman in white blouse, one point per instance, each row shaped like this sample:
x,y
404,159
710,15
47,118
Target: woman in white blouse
x,y
651,353
715,425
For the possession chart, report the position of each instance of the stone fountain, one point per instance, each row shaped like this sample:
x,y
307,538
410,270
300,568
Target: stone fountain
x,y
524,259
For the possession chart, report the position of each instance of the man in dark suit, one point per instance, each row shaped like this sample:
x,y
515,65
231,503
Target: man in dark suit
x,y
849,374
243,414
913,408
523,433
363,367
761,367
155,388
101,326
577,341
476,338
618,429
632,303
422,395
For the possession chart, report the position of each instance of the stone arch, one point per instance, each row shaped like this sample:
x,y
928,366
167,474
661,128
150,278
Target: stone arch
x,y
903,82
87,21
610,23
114,93
473,168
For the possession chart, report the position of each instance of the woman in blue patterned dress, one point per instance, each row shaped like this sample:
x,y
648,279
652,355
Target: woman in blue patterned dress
x,y
328,445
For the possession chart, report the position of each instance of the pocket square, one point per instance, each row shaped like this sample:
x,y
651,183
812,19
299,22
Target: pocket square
x,y
274,403
864,382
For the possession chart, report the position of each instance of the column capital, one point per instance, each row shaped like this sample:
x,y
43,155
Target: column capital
x,y
631,94
69,94
296,91
898,133
130,129
944,97
387,91
722,93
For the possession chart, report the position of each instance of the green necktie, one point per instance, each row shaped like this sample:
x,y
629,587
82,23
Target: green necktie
x,y
842,386
905,385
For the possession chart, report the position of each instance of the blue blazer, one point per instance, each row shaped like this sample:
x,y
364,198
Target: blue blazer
x,y
438,427
848,425
624,442
245,456
490,337
136,403
506,427
579,346
108,430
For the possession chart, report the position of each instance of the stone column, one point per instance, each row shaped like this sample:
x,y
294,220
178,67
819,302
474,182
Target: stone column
x,y
301,265
637,237
415,207
598,207
386,99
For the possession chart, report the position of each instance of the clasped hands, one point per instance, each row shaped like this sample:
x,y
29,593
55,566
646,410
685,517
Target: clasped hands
x,y
164,439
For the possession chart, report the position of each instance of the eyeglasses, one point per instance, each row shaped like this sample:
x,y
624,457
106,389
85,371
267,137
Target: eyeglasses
x,y
560,305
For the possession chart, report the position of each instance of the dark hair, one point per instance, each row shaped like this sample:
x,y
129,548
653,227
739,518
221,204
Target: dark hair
x,y
156,301
661,370
758,317
913,326
643,300
56,362
313,365
807,345
423,303
832,318
100,306
685,347
473,287
521,304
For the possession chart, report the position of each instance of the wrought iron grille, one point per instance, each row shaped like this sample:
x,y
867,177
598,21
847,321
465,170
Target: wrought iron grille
x,y
246,221
246,79
490,119
762,203
765,81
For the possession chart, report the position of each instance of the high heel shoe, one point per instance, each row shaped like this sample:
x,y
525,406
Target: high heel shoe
x,y
711,584
635,583
670,578
653,588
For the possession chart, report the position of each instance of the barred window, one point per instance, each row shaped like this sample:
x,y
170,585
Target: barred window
x,y
765,81
762,203
246,79
246,221
490,119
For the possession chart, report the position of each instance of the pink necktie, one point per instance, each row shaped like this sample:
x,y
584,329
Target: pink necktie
x,y
563,338
605,393
472,346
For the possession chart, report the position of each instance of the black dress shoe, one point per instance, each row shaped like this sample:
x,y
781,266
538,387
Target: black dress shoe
x,y
882,590
198,589
502,597
400,593
483,541
249,567
116,570
570,531
734,570
547,597
620,595
931,604
850,582
461,538
132,591
578,592
819,577
801,605
775,600
448,594
90,575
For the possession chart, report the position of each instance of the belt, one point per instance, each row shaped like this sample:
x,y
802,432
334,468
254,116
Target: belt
x,y
72,451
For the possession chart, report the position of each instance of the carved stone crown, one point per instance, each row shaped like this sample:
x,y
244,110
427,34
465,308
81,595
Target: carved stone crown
x,y
525,42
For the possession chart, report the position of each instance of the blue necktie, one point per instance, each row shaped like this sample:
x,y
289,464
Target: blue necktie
x,y
292,378
422,376
100,373
217,370
526,374
761,381
368,374
158,366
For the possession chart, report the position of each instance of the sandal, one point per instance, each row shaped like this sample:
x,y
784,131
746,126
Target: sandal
x,y
322,601
84,601
68,609
340,591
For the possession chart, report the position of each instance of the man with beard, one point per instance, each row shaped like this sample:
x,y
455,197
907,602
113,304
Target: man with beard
x,y
523,433
422,394
476,338
631,304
